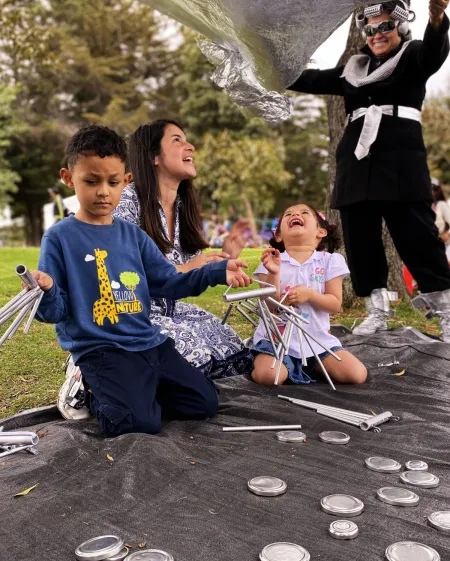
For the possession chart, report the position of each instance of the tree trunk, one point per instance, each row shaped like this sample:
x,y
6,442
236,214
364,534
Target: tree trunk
x,y
250,216
336,125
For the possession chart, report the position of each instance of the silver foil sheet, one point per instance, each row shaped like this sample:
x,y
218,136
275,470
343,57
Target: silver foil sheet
x,y
260,47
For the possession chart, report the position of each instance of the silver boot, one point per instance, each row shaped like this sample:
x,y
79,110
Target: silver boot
x,y
438,305
379,311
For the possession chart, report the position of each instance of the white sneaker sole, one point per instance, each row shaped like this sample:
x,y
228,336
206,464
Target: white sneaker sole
x,y
66,410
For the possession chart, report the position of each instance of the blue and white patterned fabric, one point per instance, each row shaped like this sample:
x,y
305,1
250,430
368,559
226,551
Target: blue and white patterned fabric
x,y
199,336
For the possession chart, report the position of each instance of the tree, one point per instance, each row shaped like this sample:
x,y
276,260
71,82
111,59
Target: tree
x,y
336,123
248,172
8,124
436,129
130,280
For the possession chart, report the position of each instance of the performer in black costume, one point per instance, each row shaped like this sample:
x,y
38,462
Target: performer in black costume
x,y
381,160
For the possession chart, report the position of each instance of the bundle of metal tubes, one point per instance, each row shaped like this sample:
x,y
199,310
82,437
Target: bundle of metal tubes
x,y
17,441
290,319
26,302
364,421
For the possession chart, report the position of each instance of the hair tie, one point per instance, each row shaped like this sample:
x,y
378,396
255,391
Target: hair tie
x,y
322,216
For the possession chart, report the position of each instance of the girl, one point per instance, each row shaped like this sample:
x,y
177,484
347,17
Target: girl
x,y
297,264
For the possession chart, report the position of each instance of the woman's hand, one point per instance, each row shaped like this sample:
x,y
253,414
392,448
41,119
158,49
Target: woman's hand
x,y
271,259
437,9
235,276
236,240
44,281
299,295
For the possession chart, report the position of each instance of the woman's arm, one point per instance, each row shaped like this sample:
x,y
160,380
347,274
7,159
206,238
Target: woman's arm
x,y
435,46
202,259
320,82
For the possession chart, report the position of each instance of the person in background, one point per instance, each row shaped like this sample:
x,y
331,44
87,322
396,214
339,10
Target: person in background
x,y
440,207
59,210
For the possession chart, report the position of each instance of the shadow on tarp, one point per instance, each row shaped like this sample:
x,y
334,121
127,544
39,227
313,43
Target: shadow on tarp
x,y
184,490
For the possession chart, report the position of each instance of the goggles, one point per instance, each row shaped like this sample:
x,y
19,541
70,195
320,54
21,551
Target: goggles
x,y
383,27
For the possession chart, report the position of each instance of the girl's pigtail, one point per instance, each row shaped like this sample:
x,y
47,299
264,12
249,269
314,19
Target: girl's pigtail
x,y
277,245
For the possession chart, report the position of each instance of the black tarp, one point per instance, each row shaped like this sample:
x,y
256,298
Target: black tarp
x,y
184,490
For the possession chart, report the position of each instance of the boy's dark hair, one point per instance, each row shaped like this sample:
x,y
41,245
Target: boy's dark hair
x,y
330,243
95,140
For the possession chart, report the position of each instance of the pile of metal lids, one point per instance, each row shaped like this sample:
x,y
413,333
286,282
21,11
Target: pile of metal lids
x,y
112,548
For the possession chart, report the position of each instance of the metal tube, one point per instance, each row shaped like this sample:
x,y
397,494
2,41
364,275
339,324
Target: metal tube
x,y
375,421
332,353
274,325
316,406
288,334
33,313
302,349
31,295
287,310
15,324
261,428
11,439
246,316
23,313
14,450
320,363
245,295
263,317
336,418
13,301
227,313
250,309
26,276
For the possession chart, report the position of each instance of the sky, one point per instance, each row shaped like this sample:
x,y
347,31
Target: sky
x,y
328,54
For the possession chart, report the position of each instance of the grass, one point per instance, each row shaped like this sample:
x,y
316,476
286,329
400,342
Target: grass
x,y
31,366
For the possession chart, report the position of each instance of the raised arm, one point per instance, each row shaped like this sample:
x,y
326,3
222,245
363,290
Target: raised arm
x,y
435,46
320,82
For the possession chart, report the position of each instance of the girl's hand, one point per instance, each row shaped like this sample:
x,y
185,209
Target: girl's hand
x,y
299,295
437,9
208,257
235,276
271,260
44,281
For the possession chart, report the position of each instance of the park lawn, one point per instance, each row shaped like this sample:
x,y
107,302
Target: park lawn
x,y
31,366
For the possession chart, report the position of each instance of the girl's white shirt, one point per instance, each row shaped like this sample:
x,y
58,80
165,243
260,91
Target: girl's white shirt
x,y
313,273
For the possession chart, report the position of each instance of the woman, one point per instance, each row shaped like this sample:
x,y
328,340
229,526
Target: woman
x,y
381,160
163,202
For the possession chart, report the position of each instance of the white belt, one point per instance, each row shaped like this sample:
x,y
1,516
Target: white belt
x,y
372,120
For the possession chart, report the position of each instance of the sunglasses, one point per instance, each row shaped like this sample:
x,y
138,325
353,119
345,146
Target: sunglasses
x,y
383,27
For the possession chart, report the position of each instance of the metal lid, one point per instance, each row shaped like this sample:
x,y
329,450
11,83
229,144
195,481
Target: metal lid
x,y
284,551
384,465
150,555
342,504
267,486
440,520
397,496
120,556
343,530
97,549
416,465
291,436
411,551
420,479
334,437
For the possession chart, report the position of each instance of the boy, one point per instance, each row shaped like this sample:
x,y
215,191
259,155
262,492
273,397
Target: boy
x,y
98,274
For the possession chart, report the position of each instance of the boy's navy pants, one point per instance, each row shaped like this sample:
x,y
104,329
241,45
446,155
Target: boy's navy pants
x,y
128,390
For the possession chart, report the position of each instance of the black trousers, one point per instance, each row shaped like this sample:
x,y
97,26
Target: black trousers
x,y
416,238
129,390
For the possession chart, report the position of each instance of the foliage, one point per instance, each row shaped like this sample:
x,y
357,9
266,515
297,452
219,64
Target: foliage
x,y
244,171
8,124
130,280
436,129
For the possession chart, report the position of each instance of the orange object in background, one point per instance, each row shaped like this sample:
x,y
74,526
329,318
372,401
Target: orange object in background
x,y
407,277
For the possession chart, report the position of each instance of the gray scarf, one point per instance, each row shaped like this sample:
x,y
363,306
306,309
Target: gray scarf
x,y
357,68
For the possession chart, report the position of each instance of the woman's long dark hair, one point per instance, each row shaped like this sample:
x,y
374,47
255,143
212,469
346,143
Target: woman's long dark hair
x,y
330,243
144,146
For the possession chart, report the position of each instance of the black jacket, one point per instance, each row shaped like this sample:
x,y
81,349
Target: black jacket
x,y
396,168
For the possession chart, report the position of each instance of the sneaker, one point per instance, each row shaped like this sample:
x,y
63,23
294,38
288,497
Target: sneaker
x,y
438,305
378,307
71,395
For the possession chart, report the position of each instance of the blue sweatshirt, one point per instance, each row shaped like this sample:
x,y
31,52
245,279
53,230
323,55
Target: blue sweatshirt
x,y
103,278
